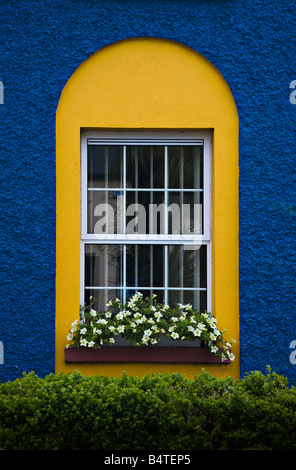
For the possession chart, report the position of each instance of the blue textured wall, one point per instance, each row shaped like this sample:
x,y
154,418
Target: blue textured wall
x,y
252,43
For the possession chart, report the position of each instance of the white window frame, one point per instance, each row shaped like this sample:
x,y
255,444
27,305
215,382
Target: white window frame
x,y
165,138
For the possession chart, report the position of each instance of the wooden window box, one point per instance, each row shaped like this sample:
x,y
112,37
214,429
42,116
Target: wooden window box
x,y
142,354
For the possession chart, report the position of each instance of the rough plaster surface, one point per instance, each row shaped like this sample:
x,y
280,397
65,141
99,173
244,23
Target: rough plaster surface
x,y
252,44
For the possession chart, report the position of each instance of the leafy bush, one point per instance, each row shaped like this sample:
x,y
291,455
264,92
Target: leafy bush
x,y
156,412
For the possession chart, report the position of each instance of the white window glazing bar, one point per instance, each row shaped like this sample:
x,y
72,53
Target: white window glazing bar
x,y
83,184
106,156
124,273
207,171
181,215
166,177
123,222
197,289
151,268
184,190
106,270
82,273
166,183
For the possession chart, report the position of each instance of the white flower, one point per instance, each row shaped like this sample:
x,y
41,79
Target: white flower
x,y
83,342
158,315
83,331
175,335
231,356
108,304
174,319
108,314
69,337
190,328
91,344
119,316
120,329
205,315
214,349
145,339
93,313
74,326
111,340
148,332
102,321
197,332
172,328
111,328
153,341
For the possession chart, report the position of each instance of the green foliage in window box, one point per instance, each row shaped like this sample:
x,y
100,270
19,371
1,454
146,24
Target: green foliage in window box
x,y
153,413
142,321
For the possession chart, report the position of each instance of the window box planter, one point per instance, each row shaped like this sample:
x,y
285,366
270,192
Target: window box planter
x,y
167,354
144,331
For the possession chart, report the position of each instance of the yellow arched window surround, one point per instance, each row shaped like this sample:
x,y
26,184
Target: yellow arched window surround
x,y
148,84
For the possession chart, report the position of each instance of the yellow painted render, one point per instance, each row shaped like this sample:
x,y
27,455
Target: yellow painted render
x,y
148,83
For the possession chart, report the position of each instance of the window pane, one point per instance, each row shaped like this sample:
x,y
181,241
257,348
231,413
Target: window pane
x,y
187,267
185,167
104,211
145,266
145,166
103,265
144,212
180,281
100,297
160,295
104,166
198,299
186,212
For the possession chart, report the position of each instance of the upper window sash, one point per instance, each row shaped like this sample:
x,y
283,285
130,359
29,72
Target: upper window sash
x,y
153,138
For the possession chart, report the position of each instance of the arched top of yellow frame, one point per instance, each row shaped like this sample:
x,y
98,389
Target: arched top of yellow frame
x,y
147,83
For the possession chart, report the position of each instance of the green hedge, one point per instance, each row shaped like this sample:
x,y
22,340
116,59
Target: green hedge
x,y
156,412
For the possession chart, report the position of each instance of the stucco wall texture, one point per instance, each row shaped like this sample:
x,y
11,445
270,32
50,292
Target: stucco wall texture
x,y
252,44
